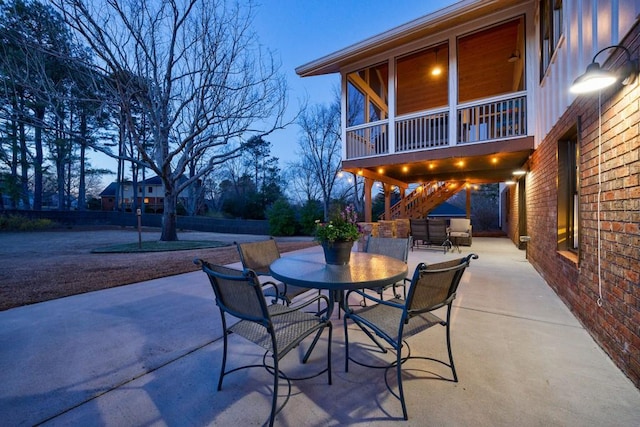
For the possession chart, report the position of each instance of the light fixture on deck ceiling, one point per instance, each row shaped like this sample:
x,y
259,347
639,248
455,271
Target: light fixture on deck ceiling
x,y
596,78
436,70
515,55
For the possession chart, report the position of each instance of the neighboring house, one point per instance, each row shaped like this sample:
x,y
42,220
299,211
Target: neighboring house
x,y
447,210
478,92
150,196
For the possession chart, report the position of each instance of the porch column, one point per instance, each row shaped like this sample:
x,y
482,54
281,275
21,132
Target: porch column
x,y
368,205
403,200
468,190
387,201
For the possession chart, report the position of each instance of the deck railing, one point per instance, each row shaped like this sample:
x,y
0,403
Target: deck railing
x,y
501,118
422,132
366,141
505,118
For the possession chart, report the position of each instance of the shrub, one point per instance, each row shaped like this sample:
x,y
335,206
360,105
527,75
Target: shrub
x,y
310,212
21,223
282,220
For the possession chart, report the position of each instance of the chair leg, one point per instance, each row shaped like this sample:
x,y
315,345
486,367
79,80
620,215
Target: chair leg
x,y
346,345
274,401
224,353
313,344
329,352
373,338
448,333
400,388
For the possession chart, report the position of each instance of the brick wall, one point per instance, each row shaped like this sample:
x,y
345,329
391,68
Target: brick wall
x,y
615,325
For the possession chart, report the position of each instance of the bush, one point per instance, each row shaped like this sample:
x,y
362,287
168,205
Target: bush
x,y
282,220
20,223
310,212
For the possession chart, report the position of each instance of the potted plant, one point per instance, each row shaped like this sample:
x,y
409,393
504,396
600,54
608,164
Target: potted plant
x,y
337,235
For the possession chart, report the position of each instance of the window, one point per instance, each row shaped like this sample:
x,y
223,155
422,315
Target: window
x,y
568,193
550,31
150,190
367,95
491,61
422,80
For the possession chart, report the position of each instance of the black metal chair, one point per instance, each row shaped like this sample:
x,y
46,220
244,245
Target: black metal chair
x,y
258,256
432,287
394,247
276,327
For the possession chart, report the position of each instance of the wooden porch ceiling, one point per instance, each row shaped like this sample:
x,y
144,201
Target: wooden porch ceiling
x,y
477,163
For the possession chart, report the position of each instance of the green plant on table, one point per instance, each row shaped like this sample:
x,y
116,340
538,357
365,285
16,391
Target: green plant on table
x,y
342,227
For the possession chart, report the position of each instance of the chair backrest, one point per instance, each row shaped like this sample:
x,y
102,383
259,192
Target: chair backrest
x,y
435,285
437,230
257,256
394,247
460,225
419,229
237,292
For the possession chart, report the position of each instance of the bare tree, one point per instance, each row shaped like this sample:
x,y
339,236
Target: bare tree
x,y
320,147
301,182
195,69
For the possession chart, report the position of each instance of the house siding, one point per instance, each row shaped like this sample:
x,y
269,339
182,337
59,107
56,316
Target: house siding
x,y
615,325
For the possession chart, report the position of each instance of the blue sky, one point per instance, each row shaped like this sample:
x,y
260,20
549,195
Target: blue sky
x,y
299,31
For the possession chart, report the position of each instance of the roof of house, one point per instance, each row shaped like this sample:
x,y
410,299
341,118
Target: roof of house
x,y
448,210
112,188
438,21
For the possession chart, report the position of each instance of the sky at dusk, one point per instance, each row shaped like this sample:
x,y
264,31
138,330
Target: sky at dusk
x,y
301,31
298,32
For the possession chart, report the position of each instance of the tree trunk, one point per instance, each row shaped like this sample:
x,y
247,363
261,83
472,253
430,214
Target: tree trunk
x,y
37,164
169,217
82,187
24,167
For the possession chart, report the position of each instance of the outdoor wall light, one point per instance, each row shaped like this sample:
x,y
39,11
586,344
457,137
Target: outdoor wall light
x,y
514,56
595,78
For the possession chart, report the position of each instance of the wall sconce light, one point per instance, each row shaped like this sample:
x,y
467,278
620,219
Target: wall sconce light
x,y
514,56
595,78
519,172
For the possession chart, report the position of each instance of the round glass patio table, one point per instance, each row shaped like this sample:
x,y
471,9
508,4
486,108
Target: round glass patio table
x,y
364,270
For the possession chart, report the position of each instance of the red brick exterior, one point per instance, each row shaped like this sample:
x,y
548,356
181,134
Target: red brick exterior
x,y
616,324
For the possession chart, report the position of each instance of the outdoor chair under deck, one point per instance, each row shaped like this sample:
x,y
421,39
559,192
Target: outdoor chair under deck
x,y
394,247
429,233
257,256
276,327
432,287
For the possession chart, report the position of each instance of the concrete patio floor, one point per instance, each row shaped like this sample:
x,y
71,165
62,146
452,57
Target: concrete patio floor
x,y
149,354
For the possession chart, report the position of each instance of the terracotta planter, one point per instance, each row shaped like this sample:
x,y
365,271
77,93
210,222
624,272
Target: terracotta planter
x,y
337,253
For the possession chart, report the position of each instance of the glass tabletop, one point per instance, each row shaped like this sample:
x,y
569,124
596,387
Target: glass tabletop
x,y
365,270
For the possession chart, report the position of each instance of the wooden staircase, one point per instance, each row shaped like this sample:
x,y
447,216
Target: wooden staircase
x,y
424,199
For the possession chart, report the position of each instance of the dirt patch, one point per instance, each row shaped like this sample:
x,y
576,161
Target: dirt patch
x,y
41,266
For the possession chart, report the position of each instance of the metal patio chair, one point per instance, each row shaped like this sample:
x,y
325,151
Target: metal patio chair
x,y
276,328
432,287
258,256
394,247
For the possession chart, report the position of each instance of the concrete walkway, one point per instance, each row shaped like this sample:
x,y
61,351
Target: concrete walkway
x,y
148,354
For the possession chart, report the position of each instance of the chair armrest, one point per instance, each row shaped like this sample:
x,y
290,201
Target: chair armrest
x,y
374,299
